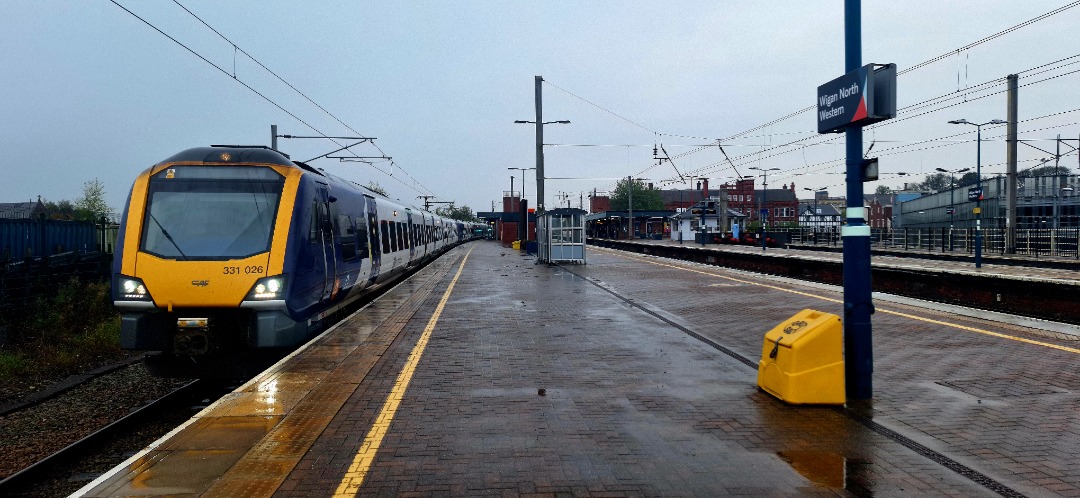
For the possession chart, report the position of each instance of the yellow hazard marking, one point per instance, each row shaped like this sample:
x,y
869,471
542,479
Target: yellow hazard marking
x,y
361,464
889,312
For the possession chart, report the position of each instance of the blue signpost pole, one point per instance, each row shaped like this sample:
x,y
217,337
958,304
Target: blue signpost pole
x,y
858,355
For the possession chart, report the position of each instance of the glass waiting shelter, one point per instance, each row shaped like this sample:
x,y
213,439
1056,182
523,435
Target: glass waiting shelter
x,y
561,236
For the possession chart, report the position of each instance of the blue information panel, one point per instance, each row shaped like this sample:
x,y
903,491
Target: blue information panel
x,y
863,96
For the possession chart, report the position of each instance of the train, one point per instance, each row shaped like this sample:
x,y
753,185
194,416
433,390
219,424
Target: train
x,y
228,248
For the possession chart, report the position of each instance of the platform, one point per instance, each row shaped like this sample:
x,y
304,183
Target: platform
x,y
487,374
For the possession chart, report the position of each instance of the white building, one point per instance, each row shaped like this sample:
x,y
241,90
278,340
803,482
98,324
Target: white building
x,y
703,217
820,216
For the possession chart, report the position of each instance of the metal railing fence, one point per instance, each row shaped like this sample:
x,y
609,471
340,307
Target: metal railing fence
x,y
1031,242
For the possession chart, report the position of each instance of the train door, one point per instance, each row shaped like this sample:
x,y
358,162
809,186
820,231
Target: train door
x,y
424,233
410,235
326,241
373,238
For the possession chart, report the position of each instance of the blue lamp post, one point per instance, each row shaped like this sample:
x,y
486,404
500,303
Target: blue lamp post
x,y
978,176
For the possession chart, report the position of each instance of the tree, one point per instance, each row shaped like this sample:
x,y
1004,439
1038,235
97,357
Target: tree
x,y
645,198
63,210
375,187
463,213
883,190
1045,171
91,206
969,178
935,182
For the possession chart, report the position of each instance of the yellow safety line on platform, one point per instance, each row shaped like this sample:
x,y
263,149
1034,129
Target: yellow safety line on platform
x,y
361,464
897,313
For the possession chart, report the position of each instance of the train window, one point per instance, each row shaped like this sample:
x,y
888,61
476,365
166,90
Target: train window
x,y
348,237
393,236
313,227
361,237
385,236
235,216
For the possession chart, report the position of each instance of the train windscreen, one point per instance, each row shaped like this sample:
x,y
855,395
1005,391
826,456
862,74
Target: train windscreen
x,y
211,212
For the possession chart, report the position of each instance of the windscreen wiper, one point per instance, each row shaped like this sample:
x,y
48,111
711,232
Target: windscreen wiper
x,y
167,236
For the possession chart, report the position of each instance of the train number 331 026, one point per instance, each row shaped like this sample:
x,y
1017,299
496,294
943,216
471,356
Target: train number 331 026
x,y
236,270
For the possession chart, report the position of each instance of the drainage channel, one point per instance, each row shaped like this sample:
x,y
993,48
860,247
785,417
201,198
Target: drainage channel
x,y
943,460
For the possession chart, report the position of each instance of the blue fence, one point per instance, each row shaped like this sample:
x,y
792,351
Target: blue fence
x,y
27,238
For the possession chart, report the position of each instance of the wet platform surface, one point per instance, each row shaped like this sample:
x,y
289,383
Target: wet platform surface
x,y
630,376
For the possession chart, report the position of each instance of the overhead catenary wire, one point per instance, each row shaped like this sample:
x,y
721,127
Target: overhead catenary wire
x,y
232,75
928,103
302,94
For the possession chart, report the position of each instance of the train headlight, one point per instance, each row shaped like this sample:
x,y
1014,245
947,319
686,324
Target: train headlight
x,y
268,288
132,289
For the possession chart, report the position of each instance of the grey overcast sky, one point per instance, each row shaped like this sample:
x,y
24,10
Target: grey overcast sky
x,y
90,91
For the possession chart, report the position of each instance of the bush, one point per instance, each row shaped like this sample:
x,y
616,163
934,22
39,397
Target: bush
x,y
73,329
12,364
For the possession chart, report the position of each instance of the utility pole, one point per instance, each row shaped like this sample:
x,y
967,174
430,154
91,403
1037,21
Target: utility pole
x,y
539,147
1057,181
630,207
273,136
428,202
1010,174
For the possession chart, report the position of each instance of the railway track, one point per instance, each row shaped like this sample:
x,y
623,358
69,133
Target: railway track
x,y
66,470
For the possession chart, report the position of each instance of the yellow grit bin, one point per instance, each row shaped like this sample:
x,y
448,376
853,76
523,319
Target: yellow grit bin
x,y
802,360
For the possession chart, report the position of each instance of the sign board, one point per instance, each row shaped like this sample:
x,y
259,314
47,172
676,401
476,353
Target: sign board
x,y
764,213
861,97
949,210
975,194
870,169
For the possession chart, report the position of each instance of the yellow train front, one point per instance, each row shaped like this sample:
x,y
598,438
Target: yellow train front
x,y
226,249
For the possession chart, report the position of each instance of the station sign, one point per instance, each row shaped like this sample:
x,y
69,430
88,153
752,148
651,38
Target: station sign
x,y
949,210
975,194
863,96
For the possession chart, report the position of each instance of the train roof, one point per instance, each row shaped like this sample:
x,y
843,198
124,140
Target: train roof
x,y
232,153
265,155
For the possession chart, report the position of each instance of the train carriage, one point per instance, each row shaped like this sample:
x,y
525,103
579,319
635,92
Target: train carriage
x,y
228,247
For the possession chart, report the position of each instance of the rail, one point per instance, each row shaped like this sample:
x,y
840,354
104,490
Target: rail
x,y
52,466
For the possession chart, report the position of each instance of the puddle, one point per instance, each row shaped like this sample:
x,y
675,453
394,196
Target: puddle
x,y
828,469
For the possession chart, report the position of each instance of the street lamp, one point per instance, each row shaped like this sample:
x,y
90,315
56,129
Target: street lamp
x,y
540,148
764,200
952,203
817,219
978,177
523,170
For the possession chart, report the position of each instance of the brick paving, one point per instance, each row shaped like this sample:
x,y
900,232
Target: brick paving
x,y
634,406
